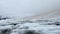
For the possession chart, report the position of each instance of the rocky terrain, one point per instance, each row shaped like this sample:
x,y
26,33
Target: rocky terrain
x,y
36,26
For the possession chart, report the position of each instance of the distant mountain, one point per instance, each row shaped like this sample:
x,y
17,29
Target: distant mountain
x,y
4,17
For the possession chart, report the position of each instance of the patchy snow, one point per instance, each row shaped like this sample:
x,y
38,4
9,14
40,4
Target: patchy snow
x,y
18,26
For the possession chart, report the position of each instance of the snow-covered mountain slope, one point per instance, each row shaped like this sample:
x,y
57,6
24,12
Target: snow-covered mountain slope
x,y
35,26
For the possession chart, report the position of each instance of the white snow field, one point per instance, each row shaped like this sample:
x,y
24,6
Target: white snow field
x,y
37,26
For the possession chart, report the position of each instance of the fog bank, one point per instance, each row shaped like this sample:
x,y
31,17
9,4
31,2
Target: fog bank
x,y
22,8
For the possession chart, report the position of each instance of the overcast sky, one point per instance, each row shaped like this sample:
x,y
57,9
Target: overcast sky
x,y
22,8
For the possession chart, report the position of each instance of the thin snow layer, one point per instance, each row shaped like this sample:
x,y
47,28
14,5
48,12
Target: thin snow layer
x,y
18,26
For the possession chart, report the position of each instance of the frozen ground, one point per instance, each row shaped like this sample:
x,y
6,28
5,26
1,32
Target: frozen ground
x,y
41,26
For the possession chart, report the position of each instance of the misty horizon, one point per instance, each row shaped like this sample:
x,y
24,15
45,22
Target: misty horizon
x,y
22,8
